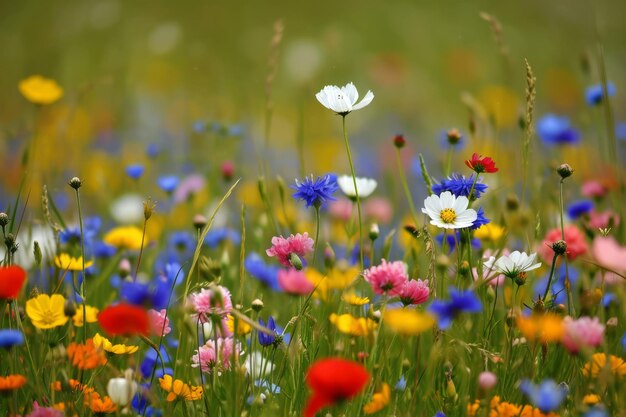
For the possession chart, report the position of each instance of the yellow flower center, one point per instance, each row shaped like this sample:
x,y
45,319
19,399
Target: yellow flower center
x,y
448,215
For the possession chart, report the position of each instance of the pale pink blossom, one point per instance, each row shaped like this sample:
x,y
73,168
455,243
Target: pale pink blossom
x,y
487,380
44,411
414,292
341,209
609,254
159,323
378,209
188,187
603,220
208,357
293,281
300,244
593,189
581,333
574,237
211,301
387,278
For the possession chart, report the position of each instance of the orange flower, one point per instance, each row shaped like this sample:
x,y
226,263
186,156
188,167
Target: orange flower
x,y
85,356
546,328
98,404
11,382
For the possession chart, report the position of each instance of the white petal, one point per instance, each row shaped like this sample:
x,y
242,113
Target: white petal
x,y
350,91
447,199
433,204
468,215
369,96
460,204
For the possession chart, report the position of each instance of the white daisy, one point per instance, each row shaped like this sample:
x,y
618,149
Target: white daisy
x,y
366,186
448,211
342,100
514,264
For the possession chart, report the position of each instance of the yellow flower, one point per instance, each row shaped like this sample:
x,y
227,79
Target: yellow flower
x,y
92,315
546,327
379,400
598,363
46,312
105,344
500,104
353,299
337,278
178,388
40,90
489,232
408,321
125,237
354,326
69,263
242,326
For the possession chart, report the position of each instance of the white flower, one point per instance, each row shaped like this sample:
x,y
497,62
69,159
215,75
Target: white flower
x,y
514,264
258,367
127,209
342,100
448,211
366,186
121,390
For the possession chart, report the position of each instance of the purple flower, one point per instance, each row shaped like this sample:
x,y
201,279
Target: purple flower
x,y
546,396
316,192
595,94
557,130
460,302
264,338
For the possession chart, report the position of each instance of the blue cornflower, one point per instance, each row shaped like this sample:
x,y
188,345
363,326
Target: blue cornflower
x,y
269,387
459,185
168,183
141,405
577,208
216,236
624,342
559,294
595,95
151,360
557,130
316,192
597,411
264,338
10,338
134,292
401,384
199,126
182,242
267,274
153,150
452,239
440,414
460,301
480,219
546,396
135,171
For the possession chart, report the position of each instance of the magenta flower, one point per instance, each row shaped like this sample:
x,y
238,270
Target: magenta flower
x,y
387,278
207,357
211,301
581,333
293,281
159,323
44,411
284,249
414,292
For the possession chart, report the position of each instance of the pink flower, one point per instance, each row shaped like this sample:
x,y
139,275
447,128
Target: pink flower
x,y
487,380
44,411
159,323
207,357
414,292
603,220
593,189
282,248
212,301
581,333
387,278
609,254
188,187
575,239
341,209
378,209
293,281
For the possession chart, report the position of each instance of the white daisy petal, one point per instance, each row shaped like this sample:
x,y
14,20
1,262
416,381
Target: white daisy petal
x,y
369,96
350,91
342,100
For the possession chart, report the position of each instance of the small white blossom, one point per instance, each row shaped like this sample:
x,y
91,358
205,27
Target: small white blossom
x,y
343,100
448,211
366,186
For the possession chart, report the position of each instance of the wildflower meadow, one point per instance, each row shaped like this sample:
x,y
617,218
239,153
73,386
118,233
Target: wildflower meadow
x,y
405,209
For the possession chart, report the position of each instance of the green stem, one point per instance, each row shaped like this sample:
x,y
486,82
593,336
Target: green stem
x,y
405,185
143,238
356,191
82,253
317,231
545,294
469,197
567,281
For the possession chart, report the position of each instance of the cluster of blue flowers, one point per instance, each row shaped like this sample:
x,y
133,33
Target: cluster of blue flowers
x,y
460,185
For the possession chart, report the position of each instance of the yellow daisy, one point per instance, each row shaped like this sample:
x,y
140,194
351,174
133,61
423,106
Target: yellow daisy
x,y
68,263
105,344
407,321
40,90
47,312
92,315
355,326
125,237
178,389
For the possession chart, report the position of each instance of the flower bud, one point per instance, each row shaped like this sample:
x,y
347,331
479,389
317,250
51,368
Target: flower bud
x,y
199,221
37,253
442,261
4,219
454,136
399,141
559,247
374,231
257,305
148,209
295,261
564,170
121,390
520,278
210,270
487,380
75,183
69,309
329,257
124,268
512,202
227,169
464,269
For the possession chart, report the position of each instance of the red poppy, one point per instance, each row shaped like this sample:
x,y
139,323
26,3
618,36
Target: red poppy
x,y
480,164
124,319
11,281
333,380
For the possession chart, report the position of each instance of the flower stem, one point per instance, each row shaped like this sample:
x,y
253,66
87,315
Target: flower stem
x,y
82,253
143,237
405,185
545,294
568,289
317,231
469,197
356,191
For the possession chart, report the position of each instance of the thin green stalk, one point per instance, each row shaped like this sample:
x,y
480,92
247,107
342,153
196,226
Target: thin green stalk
x,y
469,197
405,185
568,289
317,230
545,294
82,253
356,191
143,237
